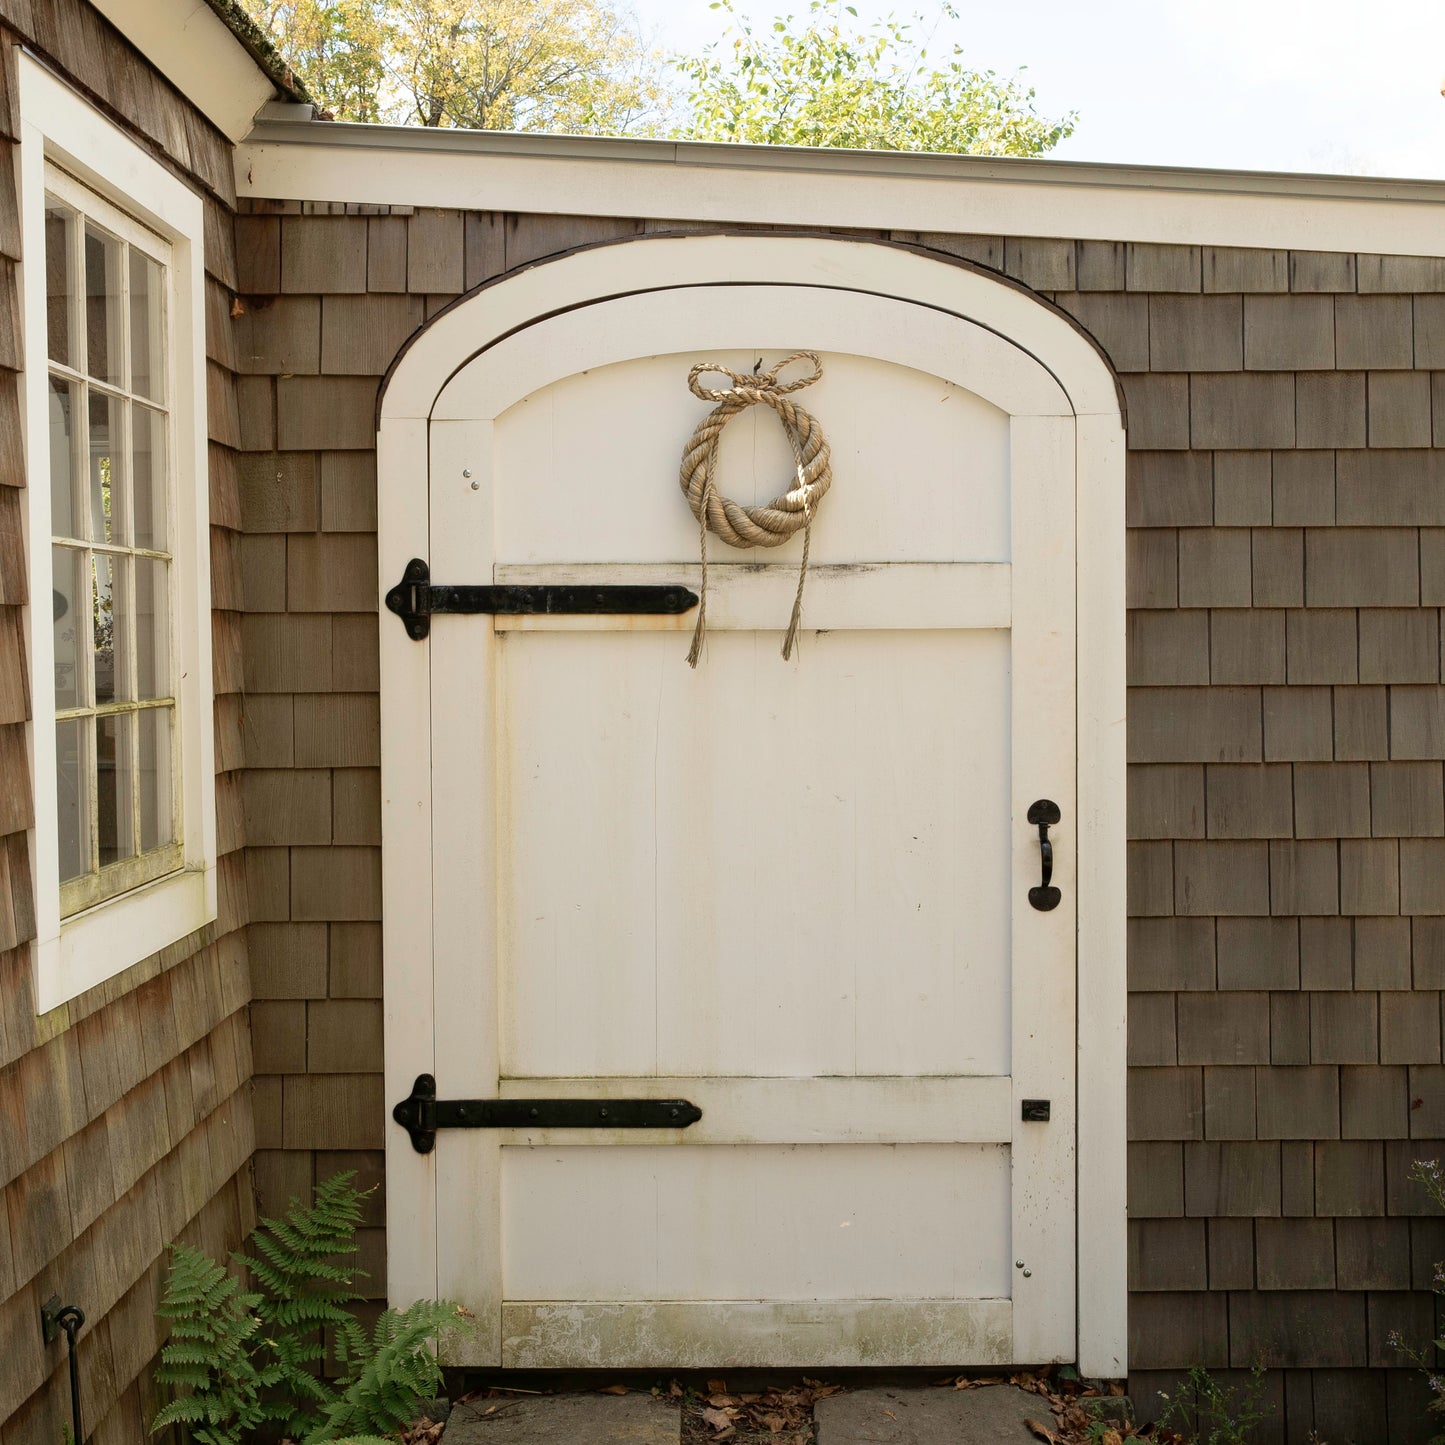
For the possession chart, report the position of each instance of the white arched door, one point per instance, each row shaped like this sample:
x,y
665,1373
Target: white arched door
x,y
794,894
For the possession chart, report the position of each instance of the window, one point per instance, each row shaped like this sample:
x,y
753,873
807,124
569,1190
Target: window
x,y
110,503
117,537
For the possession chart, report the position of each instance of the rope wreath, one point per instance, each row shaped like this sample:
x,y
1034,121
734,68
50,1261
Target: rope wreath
x,y
773,523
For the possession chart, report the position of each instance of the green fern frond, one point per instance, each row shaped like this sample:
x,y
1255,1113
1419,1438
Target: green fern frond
x,y
208,1358
393,1376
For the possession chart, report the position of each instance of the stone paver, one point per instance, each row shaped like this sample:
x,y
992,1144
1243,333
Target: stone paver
x,y
563,1419
992,1415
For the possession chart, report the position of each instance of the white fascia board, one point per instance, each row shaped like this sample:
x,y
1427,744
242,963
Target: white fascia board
x,y
194,49
888,190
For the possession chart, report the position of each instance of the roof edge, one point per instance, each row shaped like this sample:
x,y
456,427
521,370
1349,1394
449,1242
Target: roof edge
x,y
276,128
260,47
287,157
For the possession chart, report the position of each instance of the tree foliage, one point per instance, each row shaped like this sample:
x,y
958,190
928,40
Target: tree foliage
x,y
583,67
335,46
576,66
820,84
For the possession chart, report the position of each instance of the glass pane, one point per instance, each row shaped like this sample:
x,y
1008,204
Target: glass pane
x,y
69,590
148,477
103,256
157,811
112,629
72,793
152,628
147,354
63,519
114,770
59,280
107,506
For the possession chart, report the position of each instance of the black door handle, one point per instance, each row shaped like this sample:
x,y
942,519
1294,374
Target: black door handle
x,y
1045,813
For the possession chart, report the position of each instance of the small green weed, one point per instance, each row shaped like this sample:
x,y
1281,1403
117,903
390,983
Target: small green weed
x,y
1206,1412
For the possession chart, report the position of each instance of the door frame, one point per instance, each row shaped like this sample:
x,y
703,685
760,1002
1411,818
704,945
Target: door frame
x,y
416,1216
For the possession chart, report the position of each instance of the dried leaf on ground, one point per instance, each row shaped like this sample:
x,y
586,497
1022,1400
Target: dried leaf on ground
x,y
613,1390
1041,1432
721,1421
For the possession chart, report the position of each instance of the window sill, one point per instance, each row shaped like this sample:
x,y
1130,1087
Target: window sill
x,y
113,936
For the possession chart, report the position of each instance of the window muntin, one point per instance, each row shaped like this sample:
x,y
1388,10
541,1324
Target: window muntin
x,y
112,501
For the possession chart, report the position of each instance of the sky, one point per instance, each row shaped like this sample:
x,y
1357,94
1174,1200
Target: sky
x,y
1347,87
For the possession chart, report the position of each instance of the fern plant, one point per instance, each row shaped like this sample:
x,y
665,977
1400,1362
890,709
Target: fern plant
x,y
302,1270
391,1374
211,1351
243,1360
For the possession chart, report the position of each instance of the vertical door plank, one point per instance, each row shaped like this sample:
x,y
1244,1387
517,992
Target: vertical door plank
x,y
1044,943
406,885
465,839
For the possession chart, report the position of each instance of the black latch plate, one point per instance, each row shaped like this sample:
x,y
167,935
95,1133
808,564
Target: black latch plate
x,y
422,1114
1035,1111
416,598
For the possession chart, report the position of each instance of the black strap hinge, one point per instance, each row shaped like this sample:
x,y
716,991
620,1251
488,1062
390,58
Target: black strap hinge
x,y
422,1114
416,598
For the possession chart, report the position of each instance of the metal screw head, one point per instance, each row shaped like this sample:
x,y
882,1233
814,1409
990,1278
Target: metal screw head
x,y
1028,1274
476,486
1018,1264
466,471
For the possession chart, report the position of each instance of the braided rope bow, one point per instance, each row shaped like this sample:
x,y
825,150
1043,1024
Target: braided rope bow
x,y
773,523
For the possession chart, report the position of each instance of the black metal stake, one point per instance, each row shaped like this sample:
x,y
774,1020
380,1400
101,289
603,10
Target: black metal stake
x,y
55,1317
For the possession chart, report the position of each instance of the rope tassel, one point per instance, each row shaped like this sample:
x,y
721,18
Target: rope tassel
x,y
772,524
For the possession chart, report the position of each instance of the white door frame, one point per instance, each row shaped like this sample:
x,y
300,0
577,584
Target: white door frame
x,y
415,1214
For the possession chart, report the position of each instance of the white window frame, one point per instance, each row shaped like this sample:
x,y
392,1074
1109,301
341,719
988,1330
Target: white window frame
x,y
59,128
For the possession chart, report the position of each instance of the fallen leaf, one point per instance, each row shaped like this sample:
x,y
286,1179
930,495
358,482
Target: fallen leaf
x,y
717,1387
721,1422
613,1390
1041,1432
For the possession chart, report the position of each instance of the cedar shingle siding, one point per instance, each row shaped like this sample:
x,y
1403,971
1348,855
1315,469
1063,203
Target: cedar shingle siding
x,y
125,1115
1286,564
